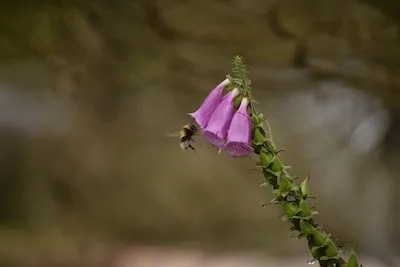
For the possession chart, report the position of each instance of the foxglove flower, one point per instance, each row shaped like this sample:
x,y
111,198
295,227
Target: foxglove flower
x,y
203,114
218,125
239,133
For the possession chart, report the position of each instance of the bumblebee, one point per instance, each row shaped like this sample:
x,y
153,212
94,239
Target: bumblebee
x,y
186,135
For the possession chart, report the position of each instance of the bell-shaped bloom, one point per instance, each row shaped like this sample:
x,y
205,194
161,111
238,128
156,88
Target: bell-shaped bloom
x,y
238,142
218,125
203,114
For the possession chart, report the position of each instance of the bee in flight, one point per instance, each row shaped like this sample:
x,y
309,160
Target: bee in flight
x,y
186,135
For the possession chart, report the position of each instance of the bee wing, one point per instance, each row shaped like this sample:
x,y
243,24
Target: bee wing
x,y
174,135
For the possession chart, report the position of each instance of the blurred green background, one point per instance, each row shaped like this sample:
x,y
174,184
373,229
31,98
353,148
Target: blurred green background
x,y
90,89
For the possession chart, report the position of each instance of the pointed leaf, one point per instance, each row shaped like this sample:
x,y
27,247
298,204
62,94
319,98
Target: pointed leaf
x,y
352,262
304,188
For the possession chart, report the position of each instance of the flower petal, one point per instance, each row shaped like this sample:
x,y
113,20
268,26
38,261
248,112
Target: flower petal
x,y
240,132
218,125
203,114
236,149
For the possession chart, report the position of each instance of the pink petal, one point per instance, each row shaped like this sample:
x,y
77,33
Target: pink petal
x,y
203,114
218,125
240,132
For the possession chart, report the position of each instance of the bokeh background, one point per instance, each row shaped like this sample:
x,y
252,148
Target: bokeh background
x,y
90,89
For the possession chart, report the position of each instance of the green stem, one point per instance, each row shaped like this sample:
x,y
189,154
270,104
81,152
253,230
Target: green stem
x,y
293,197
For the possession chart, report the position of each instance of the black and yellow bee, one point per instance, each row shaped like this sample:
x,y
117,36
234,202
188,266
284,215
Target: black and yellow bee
x,y
186,135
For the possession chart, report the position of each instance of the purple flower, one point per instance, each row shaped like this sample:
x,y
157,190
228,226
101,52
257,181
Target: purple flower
x,y
218,125
239,133
203,114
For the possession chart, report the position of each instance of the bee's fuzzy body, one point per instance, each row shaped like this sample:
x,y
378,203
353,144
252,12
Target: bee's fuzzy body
x,y
186,136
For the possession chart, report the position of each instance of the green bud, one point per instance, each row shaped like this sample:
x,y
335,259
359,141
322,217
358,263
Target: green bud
x,y
284,184
259,136
306,228
237,100
352,261
259,120
265,159
277,165
304,188
330,249
295,188
305,210
277,174
277,194
316,252
269,177
291,209
286,167
319,238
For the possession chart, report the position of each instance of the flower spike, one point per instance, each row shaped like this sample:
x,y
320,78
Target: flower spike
x,y
245,131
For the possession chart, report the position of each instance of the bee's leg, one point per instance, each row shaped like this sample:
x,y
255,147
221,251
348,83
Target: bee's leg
x,y
195,141
191,147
